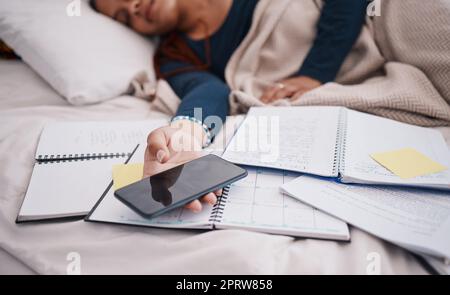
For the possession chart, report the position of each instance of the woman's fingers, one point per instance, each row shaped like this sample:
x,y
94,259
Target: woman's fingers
x,y
277,93
269,94
157,144
285,92
297,95
210,198
195,206
290,88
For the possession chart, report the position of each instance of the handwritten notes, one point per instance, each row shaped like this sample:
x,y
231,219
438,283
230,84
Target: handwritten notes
x,y
408,163
301,139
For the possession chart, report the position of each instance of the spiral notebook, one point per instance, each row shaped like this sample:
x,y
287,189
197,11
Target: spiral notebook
x,y
254,203
73,166
334,142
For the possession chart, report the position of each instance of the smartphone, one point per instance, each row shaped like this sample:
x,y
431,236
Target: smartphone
x,y
174,188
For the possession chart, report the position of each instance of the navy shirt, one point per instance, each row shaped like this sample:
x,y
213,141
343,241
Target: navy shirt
x,y
338,28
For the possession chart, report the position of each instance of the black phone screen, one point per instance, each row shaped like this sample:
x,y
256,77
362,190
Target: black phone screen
x,y
178,186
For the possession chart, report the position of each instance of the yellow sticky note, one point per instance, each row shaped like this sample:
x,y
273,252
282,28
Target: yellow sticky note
x,y
408,163
124,175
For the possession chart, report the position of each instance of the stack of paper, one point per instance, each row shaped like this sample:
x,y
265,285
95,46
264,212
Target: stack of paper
x,y
418,220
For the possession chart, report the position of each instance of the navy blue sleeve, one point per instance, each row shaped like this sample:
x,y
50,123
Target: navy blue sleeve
x,y
338,29
201,90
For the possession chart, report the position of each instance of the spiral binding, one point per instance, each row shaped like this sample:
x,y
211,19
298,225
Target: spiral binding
x,y
50,159
219,208
341,143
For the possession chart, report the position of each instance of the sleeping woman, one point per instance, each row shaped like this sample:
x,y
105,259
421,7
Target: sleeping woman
x,y
198,38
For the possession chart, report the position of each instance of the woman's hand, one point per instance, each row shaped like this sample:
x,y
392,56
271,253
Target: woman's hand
x,y
291,88
174,145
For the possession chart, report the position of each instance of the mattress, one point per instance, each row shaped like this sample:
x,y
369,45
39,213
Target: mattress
x,y
27,103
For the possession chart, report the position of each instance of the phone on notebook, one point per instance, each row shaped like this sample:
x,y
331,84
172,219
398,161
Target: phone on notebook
x,y
176,187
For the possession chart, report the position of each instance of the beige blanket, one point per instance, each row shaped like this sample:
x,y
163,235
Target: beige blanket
x,y
399,68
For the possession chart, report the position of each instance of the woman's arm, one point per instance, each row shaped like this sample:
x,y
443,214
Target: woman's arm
x,y
203,94
184,138
338,29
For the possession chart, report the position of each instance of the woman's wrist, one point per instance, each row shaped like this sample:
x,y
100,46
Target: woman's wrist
x,y
194,127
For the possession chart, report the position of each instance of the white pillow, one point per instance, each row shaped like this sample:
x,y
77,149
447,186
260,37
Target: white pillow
x,y
87,59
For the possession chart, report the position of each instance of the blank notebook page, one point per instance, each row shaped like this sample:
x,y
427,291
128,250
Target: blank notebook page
x,y
67,188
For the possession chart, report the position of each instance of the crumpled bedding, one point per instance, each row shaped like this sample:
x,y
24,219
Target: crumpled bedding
x,y
106,249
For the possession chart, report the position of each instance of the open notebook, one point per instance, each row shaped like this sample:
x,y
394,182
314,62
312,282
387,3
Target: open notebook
x,y
334,142
254,203
73,166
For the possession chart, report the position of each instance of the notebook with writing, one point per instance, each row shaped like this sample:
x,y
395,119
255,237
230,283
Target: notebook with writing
x,y
254,203
73,166
334,142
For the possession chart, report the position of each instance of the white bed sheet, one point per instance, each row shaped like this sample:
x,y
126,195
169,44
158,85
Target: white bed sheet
x,y
27,103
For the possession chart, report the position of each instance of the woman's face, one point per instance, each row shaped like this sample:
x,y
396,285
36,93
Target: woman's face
x,y
149,17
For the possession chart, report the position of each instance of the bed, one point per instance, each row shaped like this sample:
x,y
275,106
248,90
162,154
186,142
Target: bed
x,y
27,103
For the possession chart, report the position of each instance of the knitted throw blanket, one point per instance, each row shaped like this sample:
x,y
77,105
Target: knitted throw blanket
x,y
399,68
